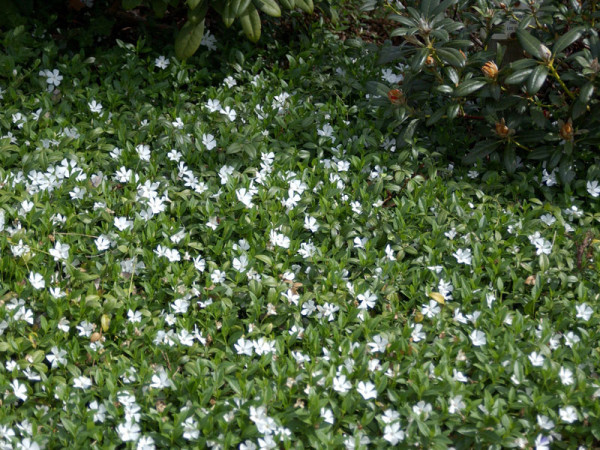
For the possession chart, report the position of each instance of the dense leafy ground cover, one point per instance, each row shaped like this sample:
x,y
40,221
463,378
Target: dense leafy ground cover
x,y
240,258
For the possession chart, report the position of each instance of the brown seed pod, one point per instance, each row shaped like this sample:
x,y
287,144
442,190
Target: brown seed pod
x,y
95,336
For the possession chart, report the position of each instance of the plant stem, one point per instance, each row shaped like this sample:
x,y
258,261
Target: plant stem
x,y
556,76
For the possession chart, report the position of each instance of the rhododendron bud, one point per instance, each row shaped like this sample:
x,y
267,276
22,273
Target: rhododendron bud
x,y
490,70
396,96
566,131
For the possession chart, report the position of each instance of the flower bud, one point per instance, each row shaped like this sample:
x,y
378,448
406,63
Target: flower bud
x,y
502,130
490,70
429,61
396,96
545,52
566,130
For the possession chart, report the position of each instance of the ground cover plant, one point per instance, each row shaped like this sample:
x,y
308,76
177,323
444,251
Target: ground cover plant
x,y
240,258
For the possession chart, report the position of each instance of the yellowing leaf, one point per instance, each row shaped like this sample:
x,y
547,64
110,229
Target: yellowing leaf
x,y
105,322
419,317
437,297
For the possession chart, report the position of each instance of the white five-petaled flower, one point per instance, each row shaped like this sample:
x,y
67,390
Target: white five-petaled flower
x,y
20,390
393,434
161,62
536,359
463,256
367,390
37,280
566,376
95,107
593,188
478,338
568,414
584,312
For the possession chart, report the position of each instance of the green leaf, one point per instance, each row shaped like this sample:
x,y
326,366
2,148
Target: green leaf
x,y
192,4
480,151
468,87
130,4
251,23
530,44
566,39
228,14
510,159
188,39
518,77
435,117
451,56
453,111
288,4
536,79
239,7
269,7
305,5
418,60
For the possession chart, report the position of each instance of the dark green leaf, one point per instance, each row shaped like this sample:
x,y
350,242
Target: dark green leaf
x,y
250,21
468,87
510,159
435,117
305,5
566,39
530,44
188,39
518,77
453,110
536,79
269,7
480,151
451,56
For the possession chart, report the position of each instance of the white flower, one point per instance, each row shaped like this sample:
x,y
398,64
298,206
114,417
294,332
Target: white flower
x,y
422,408
229,113
60,251
379,344
393,434
244,347
311,224
95,107
456,404
217,277
213,105
341,384
417,335
209,141
82,382
584,312
566,376
230,81
571,339
190,430
161,380
543,246
548,219
536,359
240,264
20,390
145,443
57,357
37,280
568,414
463,256
431,310
545,423
102,242
161,62
367,390
542,442
129,431
327,415
143,152
478,338
367,300
593,188
122,223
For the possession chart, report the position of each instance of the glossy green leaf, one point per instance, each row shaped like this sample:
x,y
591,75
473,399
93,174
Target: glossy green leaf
x,y
518,77
250,21
566,39
480,151
451,56
192,4
536,79
305,5
288,4
269,7
188,39
468,87
530,44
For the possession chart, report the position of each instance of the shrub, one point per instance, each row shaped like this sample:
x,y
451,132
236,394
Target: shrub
x,y
530,93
